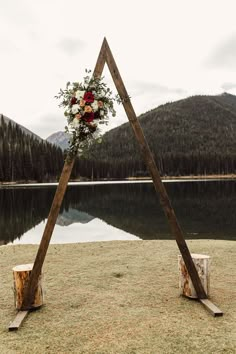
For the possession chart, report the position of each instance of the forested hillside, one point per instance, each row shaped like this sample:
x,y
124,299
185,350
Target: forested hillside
x,y
193,136
25,157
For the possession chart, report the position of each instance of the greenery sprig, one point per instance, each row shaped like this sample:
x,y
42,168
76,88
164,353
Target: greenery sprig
x,y
86,104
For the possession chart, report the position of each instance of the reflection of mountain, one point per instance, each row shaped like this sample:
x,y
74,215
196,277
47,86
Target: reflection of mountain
x,y
73,216
204,209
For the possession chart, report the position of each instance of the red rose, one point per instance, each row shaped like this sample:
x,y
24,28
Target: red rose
x,y
88,117
88,97
73,100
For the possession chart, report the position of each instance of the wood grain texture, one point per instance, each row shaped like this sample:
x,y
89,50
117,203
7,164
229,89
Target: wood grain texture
x,y
99,66
16,323
43,247
202,264
21,276
213,309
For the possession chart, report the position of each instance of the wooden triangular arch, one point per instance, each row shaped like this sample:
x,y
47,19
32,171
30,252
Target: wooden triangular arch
x,y
105,56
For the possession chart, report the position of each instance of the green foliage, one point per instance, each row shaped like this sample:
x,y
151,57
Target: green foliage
x,y
85,102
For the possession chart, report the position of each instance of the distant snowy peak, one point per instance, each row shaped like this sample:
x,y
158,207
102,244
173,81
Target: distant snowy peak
x,y
73,216
60,139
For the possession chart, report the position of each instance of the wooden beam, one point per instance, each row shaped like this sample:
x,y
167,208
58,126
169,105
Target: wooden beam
x,y
159,186
16,323
100,60
213,309
43,247
55,208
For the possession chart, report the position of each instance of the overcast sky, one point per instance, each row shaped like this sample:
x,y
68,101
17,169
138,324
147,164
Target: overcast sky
x,y
165,50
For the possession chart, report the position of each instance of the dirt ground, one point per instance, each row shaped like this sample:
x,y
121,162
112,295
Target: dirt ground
x,y
120,297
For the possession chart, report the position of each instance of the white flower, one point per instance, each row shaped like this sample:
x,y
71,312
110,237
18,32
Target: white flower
x,y
75,123
101,112
75,108
79,94
94,106
97,133
102,92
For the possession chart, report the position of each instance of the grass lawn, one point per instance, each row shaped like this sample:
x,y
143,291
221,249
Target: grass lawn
x,y
120,297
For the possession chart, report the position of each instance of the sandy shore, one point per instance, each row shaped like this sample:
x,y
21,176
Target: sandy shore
x,y
120,297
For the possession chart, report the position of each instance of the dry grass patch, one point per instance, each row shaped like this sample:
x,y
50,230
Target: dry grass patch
x,y
120,297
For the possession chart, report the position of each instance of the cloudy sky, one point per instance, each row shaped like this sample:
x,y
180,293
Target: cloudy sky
x,y
165,50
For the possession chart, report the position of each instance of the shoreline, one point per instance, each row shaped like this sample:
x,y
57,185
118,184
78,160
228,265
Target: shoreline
x,y
194,177
128,179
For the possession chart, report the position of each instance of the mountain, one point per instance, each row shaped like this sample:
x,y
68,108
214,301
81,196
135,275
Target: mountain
x,y
195,135
226,99
73,216
24,156
25,130
60,139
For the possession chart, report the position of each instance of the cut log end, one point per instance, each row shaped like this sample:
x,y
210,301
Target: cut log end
x,y
21,275
202,264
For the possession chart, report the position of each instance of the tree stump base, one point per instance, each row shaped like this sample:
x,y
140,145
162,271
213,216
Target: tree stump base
x,y
202,264
21,274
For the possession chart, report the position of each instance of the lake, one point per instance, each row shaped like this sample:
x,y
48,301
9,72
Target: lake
x,y
118,211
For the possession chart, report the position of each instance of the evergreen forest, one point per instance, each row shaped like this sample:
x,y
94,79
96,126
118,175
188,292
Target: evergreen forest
x,y
192,136
25,157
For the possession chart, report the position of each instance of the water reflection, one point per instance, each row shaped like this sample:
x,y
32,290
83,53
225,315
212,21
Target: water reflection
x,y
21,210
94,212
96,230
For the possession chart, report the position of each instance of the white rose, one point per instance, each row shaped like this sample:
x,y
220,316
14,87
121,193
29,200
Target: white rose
x,y
79,94
94,106
101,112
75,108
75,123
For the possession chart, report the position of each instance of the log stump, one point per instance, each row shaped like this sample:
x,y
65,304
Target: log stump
x,y
202,264
21,274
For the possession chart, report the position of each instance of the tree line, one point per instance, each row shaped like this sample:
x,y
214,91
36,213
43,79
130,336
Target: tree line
x,y
193,136
25,157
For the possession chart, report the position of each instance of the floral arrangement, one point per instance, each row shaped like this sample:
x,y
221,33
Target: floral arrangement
x,y
86,105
